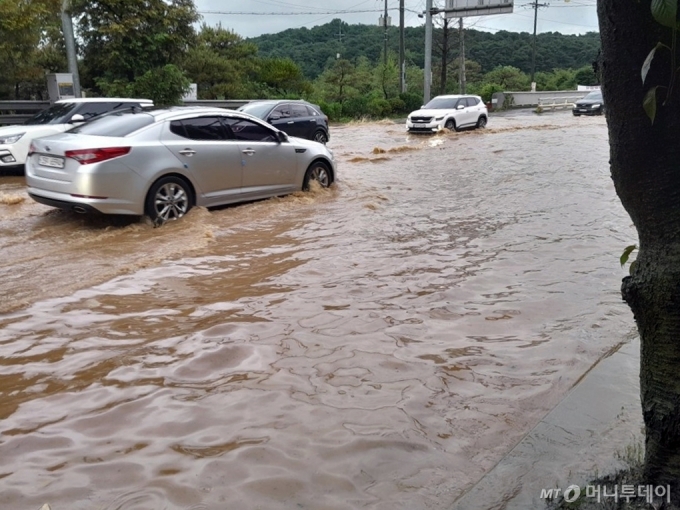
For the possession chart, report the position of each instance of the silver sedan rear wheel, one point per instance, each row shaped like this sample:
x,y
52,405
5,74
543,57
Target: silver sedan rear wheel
x,y
319,172
169,198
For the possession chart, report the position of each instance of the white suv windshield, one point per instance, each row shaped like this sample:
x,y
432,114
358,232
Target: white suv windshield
x,y
56,114
439,103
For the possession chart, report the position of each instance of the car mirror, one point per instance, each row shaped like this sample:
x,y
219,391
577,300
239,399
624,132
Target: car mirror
x,y
460,107
77,118
282,137
276,116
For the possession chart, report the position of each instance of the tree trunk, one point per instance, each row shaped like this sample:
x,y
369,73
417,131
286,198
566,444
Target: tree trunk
x,y
645,166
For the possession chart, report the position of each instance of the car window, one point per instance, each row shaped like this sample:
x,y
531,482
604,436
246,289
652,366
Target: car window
x,y
55,114
282,111
200,128
311,111
472,101
89,110
244,129
257,108
116,124
462,101
299,110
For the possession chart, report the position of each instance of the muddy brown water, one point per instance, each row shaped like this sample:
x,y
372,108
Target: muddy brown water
x,y
378,345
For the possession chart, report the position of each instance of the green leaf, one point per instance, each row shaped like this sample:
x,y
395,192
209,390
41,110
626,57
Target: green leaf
x,y
665,12
649,103
648,60
626,253
632,267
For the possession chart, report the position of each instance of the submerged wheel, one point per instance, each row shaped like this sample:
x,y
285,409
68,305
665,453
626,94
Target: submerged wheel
x,y
169,198
451,125
320,136
319,172
481,122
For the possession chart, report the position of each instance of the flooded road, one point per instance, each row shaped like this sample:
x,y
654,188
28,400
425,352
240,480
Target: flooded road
x,y
380,345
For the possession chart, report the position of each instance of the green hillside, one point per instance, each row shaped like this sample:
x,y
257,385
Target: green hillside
x,y
312,48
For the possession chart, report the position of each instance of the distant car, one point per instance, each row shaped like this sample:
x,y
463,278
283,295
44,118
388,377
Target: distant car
x,y
163,162
592,104
297,118
61,116
453,112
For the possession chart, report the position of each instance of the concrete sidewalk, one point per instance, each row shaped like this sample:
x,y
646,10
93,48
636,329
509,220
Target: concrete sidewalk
x,y
584,436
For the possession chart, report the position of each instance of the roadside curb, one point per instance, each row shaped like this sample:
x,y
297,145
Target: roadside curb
x,y
580,439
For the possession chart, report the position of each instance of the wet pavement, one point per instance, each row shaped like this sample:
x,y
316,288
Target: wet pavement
x,y
382,344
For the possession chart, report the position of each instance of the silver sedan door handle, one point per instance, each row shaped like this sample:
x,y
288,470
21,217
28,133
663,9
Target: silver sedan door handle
x,y
187,152
249,152
291,122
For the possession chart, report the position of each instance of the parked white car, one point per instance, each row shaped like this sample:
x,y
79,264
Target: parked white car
x,y
61,116
453,112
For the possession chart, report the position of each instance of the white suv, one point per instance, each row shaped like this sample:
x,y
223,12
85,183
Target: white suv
x,y
61,116
449,112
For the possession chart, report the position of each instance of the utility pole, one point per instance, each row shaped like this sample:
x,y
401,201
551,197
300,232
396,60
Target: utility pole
x,y
402,60
385,57
428,51
535,5
69,39
461,66
340,36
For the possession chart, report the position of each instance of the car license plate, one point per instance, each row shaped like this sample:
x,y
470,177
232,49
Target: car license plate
x,y
51,162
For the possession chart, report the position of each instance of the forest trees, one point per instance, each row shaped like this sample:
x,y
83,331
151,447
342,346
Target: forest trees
x,y
645,167
123,40
219,62
30,45
154,49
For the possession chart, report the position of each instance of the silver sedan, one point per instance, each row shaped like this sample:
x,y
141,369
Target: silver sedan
x,y
163,162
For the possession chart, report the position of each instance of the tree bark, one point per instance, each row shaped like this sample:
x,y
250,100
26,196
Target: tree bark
x,y
645,167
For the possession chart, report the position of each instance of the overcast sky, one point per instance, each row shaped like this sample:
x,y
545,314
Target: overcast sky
x,y
250,18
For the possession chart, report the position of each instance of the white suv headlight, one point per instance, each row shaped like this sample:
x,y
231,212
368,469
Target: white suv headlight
x,y
440,118
6,140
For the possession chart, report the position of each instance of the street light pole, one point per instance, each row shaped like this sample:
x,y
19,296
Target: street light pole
x,y
69,40
461,67
402,70
385,20
535,5
428,52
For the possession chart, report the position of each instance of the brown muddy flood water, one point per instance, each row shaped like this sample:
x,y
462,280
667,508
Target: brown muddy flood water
x,y
378,345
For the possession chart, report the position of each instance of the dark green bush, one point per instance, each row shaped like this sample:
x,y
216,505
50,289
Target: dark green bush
x,y
412,101
332,110
379,108
355,107
398,105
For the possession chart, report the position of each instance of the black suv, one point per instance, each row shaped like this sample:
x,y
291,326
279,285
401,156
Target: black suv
x,y
296,118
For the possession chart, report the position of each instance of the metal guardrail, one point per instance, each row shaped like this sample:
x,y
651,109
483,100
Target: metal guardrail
x,y
557,102
17,112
